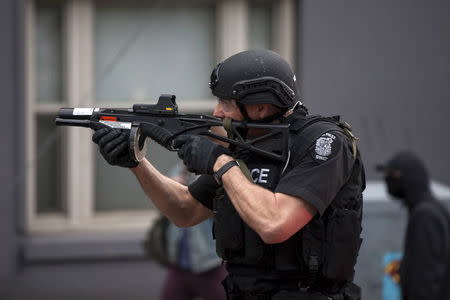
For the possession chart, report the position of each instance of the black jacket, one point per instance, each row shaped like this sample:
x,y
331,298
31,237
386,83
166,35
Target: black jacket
x,y
425,268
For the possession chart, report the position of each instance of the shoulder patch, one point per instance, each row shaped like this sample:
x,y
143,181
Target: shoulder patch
x,y
324,146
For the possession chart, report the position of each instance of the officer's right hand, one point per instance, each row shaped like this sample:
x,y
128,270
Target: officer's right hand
x,y
113,145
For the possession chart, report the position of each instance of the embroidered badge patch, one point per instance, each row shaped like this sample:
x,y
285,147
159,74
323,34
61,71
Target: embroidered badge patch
x,y
323,146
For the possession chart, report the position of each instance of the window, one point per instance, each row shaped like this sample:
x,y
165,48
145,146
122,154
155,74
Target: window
x,y
87,53
48,95
138,52
260,25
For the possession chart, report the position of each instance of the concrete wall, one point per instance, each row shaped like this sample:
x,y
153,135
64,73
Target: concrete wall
x,y
385,67
11,85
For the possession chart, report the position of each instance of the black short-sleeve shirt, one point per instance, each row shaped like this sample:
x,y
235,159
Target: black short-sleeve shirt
x,y
320,174
315,176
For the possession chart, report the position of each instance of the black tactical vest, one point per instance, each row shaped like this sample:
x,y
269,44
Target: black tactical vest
x,y
327,247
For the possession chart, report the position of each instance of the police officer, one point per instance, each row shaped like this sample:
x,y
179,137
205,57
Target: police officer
x,y
292,230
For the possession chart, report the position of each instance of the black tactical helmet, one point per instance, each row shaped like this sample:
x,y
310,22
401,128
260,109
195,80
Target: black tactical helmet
x,y
255,76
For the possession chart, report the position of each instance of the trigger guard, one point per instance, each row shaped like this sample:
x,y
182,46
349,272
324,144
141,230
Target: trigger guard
x,y
137,153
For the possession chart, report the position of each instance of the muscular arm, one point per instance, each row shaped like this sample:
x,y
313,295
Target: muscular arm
x,y
170,197
274,216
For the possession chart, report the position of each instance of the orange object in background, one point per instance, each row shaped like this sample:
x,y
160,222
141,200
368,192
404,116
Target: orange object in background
x,y
393,270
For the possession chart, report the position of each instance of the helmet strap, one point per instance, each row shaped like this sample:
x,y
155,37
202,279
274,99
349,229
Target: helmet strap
x,y
243,131
243,110
268,119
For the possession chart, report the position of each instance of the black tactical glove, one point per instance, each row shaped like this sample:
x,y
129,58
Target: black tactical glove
x,y
114,146
199,153
156,133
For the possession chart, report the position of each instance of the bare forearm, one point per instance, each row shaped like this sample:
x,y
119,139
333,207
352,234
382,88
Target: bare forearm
x,y
256,206
170,197
274,216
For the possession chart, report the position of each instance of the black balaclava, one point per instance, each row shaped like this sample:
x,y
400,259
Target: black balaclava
x,y
413,184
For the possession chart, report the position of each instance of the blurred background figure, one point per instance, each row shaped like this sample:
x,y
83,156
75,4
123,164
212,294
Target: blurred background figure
x,y
425,269
195,270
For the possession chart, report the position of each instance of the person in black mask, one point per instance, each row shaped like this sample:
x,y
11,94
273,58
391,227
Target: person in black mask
x,y
425,268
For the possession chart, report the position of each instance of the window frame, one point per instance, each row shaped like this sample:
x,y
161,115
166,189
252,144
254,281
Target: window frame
x,y
78,79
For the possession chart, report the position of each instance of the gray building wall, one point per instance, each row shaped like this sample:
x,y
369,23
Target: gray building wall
x,y
11,84
385,67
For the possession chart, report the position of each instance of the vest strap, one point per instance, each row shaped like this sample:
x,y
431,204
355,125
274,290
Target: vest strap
x,y
348,132
244,169
227,126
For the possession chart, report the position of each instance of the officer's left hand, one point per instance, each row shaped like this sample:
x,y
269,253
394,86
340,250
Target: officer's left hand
x,y
198,153
114,146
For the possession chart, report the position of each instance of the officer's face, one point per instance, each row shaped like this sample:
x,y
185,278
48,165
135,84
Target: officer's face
x,y
227,109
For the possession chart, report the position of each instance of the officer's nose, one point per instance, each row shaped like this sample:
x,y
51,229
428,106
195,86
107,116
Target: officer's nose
x,y
218,111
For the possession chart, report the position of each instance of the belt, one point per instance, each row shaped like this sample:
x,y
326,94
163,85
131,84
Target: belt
x,y
248,297
304,295
285,295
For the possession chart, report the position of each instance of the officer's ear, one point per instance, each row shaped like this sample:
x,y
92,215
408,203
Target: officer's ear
x,y
260,108
268,110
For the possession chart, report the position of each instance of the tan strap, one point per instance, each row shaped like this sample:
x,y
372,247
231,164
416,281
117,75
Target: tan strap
x,y
227,127
348,132
242,165
244,169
